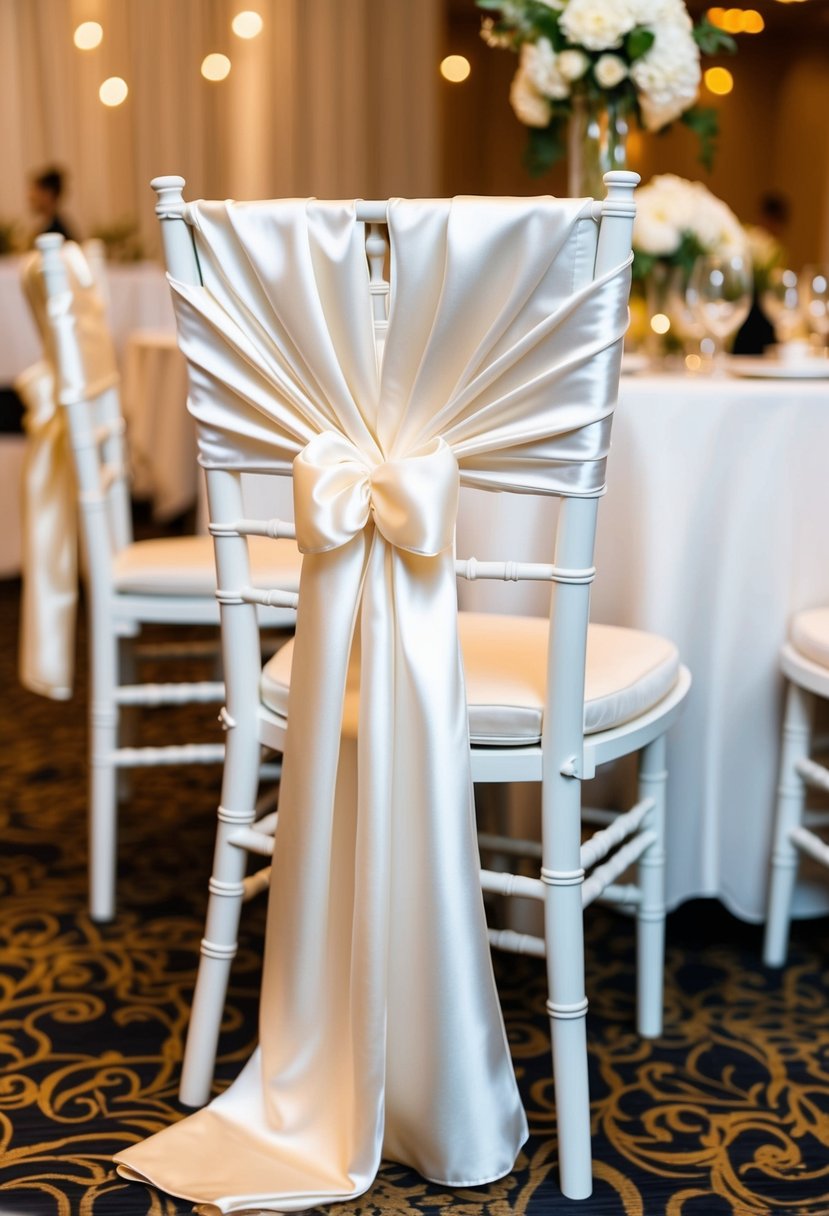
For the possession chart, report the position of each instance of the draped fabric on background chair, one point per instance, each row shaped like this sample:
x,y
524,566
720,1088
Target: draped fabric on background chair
x,y
77,463
805,664
380,1030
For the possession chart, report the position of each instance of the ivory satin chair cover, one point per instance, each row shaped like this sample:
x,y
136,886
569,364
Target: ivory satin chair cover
x,y
50,530
380,1028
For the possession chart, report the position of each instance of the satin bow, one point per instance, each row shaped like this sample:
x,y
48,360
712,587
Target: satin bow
x,y
337,490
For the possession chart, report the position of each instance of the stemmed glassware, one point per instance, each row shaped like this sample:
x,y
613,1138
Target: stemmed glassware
x,y
719,294
782,301
685,323
814,286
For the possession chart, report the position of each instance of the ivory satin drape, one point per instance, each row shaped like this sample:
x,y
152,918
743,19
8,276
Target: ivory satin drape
x,y
380,1030
49,550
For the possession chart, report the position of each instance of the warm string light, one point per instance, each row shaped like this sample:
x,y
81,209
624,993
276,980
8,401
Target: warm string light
x,y
88,35
113,91
737,20
215,66
718,81
455,68
247,24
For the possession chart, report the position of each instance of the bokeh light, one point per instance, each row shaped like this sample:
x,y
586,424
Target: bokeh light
x,y
718,81
113,91
88,35
247,24
455,68
215,66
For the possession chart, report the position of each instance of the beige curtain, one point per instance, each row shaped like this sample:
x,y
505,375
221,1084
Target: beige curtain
x,y
336,98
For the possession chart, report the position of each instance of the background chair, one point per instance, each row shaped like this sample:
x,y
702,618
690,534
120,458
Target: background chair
x,y
128,583
548,702
805,664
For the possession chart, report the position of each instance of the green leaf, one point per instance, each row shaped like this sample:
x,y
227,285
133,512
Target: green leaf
x,y
704,121
489,5
544,147
638,42
713,41
643,264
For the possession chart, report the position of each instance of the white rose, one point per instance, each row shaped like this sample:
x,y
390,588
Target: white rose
x,y
573,64
610,70
597,24
529,105
540,62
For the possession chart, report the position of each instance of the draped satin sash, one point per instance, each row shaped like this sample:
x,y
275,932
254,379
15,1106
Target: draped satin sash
x,y
83,367
380,1029
49,593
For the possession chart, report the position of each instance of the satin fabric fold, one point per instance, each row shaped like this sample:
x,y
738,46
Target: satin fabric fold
x,y
50,529
49,588
380,1029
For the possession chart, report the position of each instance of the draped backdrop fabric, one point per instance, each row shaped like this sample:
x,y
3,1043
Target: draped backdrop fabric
x,y
49,555
334,97
380,1029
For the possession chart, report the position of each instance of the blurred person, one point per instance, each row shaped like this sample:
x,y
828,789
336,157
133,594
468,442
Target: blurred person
x,y
46,189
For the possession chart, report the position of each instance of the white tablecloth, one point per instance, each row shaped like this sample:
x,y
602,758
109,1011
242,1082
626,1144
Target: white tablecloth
x,y
713,532
160,432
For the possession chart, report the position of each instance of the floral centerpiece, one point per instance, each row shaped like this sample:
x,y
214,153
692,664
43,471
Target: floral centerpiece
x,y
678,221
634,57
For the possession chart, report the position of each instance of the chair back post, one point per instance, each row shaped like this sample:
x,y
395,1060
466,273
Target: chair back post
x,y
616,230
177,239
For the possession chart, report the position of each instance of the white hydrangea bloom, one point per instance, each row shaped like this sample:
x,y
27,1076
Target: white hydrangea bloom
x,y
540,62
598,25
530,106
610,70
669,208
668,75
573,64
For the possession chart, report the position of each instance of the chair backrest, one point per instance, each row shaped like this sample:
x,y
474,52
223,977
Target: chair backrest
x,y
70,314
561,451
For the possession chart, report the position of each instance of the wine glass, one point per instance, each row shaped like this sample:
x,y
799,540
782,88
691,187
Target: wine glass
x,y
782,301
720,291
685,323
814,285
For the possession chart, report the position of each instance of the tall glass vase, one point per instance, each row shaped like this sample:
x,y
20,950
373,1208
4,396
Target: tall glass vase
x,y
596,142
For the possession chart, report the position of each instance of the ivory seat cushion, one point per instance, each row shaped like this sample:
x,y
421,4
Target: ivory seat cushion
x,y
809,634
183,565
505,660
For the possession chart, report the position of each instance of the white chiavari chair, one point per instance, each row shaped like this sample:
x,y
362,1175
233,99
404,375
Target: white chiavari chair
x,y
804,661
549,701
169,580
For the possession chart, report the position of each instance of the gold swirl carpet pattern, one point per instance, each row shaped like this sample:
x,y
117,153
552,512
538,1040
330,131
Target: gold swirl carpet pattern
x,y
727,1113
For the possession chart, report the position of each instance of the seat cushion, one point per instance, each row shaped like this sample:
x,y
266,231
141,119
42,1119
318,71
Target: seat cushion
x,y
505,660
809,634
183,565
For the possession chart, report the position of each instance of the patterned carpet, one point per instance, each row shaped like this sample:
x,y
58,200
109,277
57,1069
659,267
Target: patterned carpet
x,y
727,1113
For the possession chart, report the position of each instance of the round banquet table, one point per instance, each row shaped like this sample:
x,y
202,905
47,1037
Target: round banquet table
x,y
713,532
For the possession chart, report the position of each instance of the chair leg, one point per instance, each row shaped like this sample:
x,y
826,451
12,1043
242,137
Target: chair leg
x,y
791,797
103,741
226,887
567,1009
567,1003
650,919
